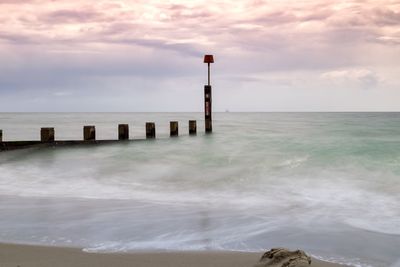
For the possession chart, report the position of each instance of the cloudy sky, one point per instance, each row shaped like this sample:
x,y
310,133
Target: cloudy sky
x,y
134,55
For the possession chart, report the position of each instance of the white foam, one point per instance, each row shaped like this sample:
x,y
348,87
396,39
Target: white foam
x,y
343,199
396,264
294,162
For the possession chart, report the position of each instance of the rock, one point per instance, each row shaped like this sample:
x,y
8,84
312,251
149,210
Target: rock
x,y
281,257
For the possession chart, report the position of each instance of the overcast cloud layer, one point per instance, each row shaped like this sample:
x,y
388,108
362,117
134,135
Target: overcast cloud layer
x,y
84,55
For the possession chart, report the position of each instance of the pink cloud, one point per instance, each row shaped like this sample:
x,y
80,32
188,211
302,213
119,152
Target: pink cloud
x,y
292,32
74,46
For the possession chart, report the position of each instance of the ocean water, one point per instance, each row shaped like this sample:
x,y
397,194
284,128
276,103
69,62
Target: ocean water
x,y
328,183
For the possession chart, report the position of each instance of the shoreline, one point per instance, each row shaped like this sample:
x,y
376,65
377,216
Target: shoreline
x,y
14,255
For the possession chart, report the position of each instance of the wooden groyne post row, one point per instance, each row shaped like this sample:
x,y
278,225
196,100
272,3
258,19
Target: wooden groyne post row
x,y
47,134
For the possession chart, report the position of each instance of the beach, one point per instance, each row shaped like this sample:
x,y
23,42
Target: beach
x,y
41,256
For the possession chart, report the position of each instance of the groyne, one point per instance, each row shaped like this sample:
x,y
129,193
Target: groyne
x,y
47,136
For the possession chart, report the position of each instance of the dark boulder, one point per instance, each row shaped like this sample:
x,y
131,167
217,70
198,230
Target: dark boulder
x,y
281,257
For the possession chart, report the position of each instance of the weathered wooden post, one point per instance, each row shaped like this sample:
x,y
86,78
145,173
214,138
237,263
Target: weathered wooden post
x,y
123,132
150,130
192,127
47,135
173,128
207,96
1,136
89,133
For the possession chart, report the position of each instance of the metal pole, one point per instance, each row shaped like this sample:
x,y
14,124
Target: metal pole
x,y
207,108
207,96
208,74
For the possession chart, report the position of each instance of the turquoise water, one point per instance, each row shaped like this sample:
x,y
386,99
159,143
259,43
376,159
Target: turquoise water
x,y
328,183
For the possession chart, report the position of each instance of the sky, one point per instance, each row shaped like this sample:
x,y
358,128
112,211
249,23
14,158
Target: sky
x,y
134,55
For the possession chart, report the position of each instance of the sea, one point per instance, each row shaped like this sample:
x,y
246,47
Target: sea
x,y
326,183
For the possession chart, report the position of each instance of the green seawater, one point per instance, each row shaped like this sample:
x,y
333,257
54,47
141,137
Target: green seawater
x,y
328,183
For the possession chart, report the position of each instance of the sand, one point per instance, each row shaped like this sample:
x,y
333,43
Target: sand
x,y
39,256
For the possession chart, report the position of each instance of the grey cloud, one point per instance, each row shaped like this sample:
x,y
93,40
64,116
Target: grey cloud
x,y
48,70
181,11
16,38
322,15
129,33
350,35
274,18
71,16
181,48
316,12
13,2
389,40
360,16
120,28
363,78
369,80
386,17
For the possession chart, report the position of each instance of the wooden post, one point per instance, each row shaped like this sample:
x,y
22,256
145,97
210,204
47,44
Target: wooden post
x,y
150,130
192,128
89,133
1,136
207,108
47,135
123,132
173,128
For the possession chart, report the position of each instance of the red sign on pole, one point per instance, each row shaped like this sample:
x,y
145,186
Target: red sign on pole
x,y
208,59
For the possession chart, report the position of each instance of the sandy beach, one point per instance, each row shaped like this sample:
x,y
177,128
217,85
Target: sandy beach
x,y
12,255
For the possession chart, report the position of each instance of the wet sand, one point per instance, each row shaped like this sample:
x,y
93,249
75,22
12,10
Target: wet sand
x,y
39,256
